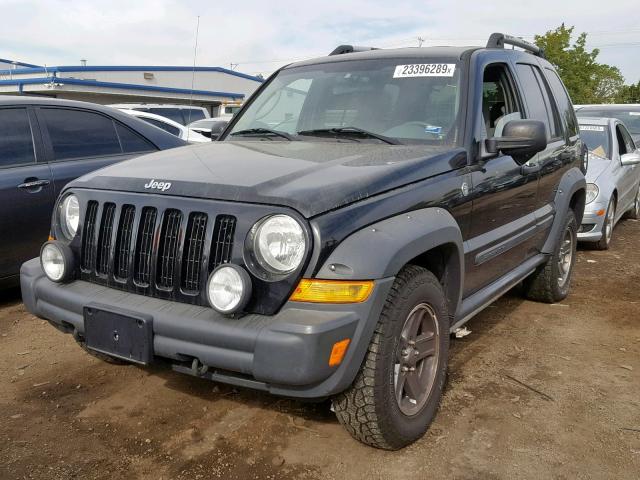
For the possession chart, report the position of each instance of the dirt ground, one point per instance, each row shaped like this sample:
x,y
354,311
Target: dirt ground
x,y
535,391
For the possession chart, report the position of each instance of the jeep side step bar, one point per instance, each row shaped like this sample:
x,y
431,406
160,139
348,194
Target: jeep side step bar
x,y
499,40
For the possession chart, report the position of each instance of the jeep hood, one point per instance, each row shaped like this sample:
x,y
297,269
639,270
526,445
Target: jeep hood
x,y
311,177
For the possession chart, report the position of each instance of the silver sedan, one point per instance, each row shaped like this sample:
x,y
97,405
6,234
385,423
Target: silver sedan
x,y
613,179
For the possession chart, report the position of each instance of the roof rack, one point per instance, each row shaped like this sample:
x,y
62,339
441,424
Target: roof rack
x,y
499,40
350,49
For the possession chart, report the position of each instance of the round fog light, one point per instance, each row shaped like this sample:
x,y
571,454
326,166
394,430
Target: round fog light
x,y
56,259
229,288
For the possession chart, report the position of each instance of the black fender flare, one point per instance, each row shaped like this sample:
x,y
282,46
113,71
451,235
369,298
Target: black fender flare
x,y
383,248
572,181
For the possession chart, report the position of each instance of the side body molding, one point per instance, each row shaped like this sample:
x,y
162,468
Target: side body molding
x,y
572,181
383,248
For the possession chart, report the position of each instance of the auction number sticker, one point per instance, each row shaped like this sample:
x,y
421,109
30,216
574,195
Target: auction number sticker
x,y
425,70
591,128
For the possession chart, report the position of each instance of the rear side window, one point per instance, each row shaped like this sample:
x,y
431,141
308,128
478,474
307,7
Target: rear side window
x,y
537,98
164,126
563,102
16,140
192,114
78,133
132,142
174,114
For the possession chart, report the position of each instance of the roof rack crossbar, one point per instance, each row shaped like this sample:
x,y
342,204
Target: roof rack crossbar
x,y
350,49
499,40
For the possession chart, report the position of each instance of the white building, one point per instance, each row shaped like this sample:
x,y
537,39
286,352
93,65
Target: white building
x,y
210,87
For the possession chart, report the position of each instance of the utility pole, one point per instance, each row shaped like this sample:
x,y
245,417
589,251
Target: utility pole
x,y
233,66
420,41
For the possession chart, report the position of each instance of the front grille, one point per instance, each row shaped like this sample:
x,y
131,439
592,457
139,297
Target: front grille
x,y
168,249
193,248
142,274
104,238
151,251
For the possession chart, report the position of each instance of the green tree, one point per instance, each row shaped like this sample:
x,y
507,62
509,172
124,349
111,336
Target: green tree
x,y
586,80
629,94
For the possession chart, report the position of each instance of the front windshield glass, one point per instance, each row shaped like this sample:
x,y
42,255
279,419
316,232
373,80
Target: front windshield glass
x,y
596,138
630,116
410,101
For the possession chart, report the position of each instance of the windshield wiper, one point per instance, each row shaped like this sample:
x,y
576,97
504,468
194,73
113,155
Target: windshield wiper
x,y
350,131
262,131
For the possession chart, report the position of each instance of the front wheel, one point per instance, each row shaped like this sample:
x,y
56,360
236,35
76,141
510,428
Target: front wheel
x,y
551,281
397,391
635,210
607,227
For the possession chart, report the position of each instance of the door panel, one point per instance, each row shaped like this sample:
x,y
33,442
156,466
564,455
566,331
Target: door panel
x,y
503,222
26,192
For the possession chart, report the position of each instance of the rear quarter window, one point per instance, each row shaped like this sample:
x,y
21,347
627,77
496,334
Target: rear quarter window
x,y
16,140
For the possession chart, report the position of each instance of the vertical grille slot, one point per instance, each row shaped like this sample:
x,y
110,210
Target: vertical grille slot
x,y
222,244
168,248
123,242
104,238
193,249
142,274
88,236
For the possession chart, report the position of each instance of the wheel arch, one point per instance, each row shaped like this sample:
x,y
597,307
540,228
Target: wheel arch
x,y
429,237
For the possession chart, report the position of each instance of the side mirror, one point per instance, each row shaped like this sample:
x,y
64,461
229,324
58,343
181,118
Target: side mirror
x,y
630,158
520,138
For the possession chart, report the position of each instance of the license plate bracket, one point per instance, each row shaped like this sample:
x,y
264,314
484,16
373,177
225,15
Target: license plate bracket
x,y
118,333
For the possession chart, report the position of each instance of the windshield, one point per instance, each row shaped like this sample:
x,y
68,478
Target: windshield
x,y
630,116
394,98
596,138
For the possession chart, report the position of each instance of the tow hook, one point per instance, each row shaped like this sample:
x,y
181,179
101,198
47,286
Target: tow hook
x,y
198,368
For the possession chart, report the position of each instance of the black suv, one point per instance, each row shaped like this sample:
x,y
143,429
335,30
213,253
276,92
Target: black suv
x,y
357,210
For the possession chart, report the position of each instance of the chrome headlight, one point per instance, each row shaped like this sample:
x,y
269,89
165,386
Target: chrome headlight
x,y
279,244
69,215
592,192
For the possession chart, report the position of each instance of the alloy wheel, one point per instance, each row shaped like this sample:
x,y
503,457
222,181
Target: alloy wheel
x,y
416,359
565,257
608,228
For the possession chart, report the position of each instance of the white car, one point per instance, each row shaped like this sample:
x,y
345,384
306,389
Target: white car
x,y
170,126
183,114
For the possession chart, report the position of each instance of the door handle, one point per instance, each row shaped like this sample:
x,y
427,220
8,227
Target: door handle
x,y
529,169
33,184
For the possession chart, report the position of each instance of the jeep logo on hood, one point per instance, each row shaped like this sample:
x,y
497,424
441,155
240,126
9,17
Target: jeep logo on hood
x,y
162,186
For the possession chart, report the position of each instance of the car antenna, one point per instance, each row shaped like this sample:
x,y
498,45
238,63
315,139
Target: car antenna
x,y
193,74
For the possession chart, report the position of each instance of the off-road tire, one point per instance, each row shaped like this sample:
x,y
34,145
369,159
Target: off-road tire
x,y
543,284
368,409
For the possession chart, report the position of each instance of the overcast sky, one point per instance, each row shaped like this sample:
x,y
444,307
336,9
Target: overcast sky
x,y
260,36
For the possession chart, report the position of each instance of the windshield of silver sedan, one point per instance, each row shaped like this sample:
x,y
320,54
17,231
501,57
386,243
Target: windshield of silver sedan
x,y
596,137
393,101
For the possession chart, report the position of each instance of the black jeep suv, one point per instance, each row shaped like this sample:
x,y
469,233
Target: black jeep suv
x,y
358,209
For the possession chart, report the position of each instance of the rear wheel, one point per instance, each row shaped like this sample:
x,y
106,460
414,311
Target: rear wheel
x,y
398,388
551,281
607,227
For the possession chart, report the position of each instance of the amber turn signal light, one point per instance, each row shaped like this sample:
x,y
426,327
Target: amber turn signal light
x,y
332,291
338,351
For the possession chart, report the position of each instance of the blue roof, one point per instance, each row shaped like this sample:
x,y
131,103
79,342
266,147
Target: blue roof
x,y
21,64
127,86
125,68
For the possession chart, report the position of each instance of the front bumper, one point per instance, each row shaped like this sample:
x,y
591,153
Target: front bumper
x,y
593,223
286,353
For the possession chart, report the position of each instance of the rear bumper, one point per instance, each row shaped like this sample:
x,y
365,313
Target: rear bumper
x,y
285,354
